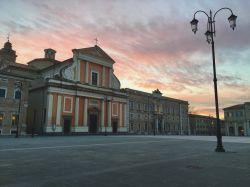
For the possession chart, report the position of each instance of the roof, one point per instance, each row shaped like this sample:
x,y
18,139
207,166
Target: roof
x,y
18,65
201,116
65,62
138,92
44,59
239,106
95,51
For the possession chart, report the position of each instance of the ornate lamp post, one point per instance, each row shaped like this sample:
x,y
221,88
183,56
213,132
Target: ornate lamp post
x,y
19,87
210,34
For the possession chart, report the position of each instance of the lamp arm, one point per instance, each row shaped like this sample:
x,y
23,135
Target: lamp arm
x,y
202,12
225,8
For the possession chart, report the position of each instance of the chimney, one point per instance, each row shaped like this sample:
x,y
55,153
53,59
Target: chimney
x,y
50,53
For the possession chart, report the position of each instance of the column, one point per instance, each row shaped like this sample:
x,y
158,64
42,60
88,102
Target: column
x,y
163,124
125,116
235,130
110,77
58,112
49,105
87,72
156,128
77,112
103,76
102,114
78,70
180,116
85,112
109,114
120,116
227,128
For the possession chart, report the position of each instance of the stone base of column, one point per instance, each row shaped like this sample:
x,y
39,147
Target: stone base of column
x,y
106,129
122,129
55,129
79,129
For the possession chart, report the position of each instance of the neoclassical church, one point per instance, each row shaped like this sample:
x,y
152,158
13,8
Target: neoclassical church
x,y
80,94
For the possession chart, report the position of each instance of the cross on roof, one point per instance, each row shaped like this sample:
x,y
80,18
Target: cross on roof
x,y
96,41
8,36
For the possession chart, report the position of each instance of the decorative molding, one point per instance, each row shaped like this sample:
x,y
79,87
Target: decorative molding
x,y
71,104
113,112
95,60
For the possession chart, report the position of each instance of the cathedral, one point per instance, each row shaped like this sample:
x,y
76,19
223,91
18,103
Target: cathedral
x,y
80,94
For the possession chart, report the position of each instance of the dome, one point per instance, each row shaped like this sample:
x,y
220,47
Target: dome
x,y
8,45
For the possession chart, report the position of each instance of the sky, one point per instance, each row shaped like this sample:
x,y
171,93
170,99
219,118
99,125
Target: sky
x,y
150,40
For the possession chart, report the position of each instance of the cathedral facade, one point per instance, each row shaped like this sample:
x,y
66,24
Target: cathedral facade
x,y
80,94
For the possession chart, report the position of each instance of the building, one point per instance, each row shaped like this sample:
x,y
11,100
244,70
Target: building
x,y
15,80
78,95
156,114
204,125
237,120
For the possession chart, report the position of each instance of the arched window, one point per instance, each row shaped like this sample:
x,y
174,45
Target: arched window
x,y
17,94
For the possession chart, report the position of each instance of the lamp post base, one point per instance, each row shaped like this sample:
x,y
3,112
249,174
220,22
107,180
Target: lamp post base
x,y
220,149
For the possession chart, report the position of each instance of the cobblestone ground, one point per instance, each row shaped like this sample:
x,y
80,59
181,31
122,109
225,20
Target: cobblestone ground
x,y
124,161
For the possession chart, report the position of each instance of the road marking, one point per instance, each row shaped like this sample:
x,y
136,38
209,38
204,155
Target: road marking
x,y
71,146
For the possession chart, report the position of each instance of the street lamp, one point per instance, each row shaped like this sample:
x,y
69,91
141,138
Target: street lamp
x,y
18,86
210,34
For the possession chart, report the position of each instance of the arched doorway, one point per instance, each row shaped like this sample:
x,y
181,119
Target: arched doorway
x,y
93,120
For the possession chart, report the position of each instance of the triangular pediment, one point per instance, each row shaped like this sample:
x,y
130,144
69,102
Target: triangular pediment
x,y
96,52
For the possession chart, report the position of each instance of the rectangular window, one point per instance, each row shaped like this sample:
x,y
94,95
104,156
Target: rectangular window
x,y
3,92
14,120
1,120
131,104
17,94
94,78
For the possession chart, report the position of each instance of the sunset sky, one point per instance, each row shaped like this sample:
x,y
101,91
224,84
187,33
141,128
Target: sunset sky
x,y
150,40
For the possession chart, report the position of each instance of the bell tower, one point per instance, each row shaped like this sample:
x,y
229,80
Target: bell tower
x,y
7,54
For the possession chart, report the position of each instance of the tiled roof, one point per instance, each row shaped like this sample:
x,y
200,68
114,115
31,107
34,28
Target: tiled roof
x,y
44,59
18,65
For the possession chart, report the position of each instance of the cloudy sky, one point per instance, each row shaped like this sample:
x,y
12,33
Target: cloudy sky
x,y
150,40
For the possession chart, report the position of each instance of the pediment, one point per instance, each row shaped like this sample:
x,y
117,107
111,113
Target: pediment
x,y
96,52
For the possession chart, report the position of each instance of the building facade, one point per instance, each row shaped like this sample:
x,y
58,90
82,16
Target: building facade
x,y
156,114
204,125
15,80
237,119
78,95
